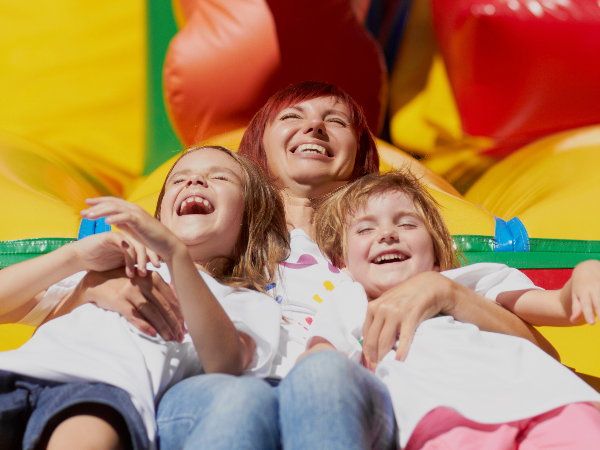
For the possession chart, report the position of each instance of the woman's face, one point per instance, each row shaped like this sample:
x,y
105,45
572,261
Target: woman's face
x,y
311,145
203,203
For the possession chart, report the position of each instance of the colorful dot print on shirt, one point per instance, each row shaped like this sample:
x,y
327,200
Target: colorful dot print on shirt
x,y
303,262
328,285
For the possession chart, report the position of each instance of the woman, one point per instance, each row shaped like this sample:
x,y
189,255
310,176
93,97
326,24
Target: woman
x,y
312,138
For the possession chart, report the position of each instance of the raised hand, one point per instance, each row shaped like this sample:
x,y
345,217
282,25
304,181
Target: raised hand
x,y
106,251
135,221
585,291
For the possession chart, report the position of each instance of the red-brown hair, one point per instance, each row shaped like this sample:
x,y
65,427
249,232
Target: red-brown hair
x,y
251,146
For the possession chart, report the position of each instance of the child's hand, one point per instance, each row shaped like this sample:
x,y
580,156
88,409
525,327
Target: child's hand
x,y
585,291
106,251
398,313
135,221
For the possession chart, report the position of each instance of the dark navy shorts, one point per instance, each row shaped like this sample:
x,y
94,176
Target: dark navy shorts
x,y
30,409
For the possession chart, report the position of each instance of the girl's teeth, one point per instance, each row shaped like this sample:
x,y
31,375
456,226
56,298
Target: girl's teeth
x,y
194,199
387,258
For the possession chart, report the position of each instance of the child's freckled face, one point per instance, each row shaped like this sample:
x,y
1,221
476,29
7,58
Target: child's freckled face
x,y
204,201
388,243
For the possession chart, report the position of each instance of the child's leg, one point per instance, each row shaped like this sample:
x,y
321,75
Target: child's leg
x,y
218,411
85,432
573,427
329,402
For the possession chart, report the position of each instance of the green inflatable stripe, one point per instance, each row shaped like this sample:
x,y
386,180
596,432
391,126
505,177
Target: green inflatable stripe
x,y
528,260
544,254
12,252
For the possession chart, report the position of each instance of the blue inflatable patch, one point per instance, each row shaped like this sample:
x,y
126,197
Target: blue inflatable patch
x,y
89,227
511,236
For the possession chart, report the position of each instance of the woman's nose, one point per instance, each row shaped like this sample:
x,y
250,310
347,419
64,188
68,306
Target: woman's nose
x,y
315,126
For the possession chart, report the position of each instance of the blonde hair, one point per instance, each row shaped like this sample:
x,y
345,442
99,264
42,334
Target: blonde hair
x,y
263,240
334,213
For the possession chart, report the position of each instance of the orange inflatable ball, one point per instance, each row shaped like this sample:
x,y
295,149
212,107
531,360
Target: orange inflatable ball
x,y
230,57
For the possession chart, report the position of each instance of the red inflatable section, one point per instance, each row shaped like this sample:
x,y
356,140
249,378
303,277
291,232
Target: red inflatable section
x,y
231,56
521,69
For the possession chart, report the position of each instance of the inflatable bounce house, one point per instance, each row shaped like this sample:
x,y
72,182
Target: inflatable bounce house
x,y
495,104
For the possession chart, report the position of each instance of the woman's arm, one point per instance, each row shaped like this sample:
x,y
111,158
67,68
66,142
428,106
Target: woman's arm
x,y
22,285
400,310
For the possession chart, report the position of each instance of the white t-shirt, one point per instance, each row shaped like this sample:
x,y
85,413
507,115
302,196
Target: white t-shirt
x,y
487,377
305,280
93,345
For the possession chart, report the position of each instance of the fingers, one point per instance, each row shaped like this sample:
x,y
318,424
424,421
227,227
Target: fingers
x,y
142,258
148,312
596,302
154,259
576,310
129,254
138,321
169,304
407,332
371,341
587,306
387,338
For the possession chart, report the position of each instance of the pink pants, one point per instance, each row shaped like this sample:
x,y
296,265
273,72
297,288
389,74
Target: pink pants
x,y
573,427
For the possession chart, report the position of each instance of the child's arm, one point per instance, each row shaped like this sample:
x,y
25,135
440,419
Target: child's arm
x,y
576,303
220,347
22,285
400,310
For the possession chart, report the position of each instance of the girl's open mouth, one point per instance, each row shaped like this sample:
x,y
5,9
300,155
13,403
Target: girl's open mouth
x,y
195,205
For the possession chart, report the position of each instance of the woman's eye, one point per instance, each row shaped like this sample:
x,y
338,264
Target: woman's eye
x,y
220,177
364,230
178,180
339,121
289,116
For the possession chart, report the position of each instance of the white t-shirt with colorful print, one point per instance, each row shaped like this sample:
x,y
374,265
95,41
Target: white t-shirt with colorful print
x,y
306,280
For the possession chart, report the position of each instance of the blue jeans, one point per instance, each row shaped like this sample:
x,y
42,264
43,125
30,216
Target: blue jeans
x,y
329,402
326,402
216,411
31,408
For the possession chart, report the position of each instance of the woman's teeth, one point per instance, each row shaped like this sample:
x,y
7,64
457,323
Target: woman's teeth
x,y
311,148
389,257
195,205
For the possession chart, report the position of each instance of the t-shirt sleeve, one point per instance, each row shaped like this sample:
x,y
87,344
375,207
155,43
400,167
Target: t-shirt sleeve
x,y
340,319
259,316
53,296
490,279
